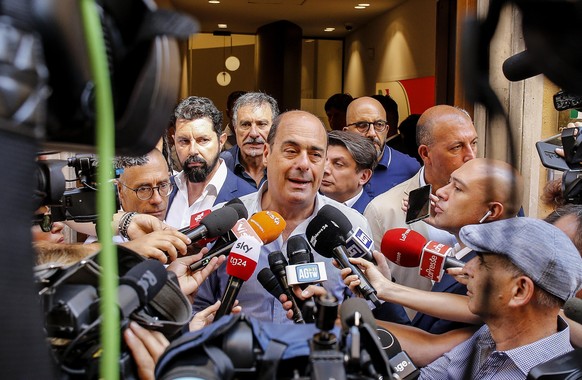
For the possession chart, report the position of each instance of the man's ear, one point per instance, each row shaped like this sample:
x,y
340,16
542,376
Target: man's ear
x,y
496,209
266,152
522,291
423,153
365,176
221,140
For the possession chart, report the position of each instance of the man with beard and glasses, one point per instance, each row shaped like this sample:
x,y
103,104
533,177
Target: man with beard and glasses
x,y
252,118
204,180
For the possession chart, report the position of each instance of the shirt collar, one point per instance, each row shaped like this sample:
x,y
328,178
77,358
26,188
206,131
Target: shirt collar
x,y
350,202
212,186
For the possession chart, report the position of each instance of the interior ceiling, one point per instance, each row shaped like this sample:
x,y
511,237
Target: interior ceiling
x,y
245,16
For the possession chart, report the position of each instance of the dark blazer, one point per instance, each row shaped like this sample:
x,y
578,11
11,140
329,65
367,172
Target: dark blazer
x,y
233,187
395,313
362,202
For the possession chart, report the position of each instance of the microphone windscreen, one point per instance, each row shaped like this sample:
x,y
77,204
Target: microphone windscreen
x,y
332,213
324,235
220,221
348,310
268,225
239,207
573,309
403,246
520,66
277,261
298,250
243,257
147,279
267,278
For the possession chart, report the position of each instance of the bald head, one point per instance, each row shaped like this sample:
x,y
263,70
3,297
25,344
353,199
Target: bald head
x,y
368,110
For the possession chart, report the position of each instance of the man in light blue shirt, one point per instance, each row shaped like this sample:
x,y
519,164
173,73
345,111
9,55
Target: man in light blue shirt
x,y
295,159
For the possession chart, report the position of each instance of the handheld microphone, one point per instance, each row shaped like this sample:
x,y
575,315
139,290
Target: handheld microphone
x,y
240,266
301,269
358,243
399,360
214,224
325,237
520,66
140,285
408,248
268,232
270,282
195,222
278,263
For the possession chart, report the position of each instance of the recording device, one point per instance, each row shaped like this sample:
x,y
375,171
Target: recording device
x,y
302,270
418,204
78,204
265,226
566,366
240,266
70,300
278,265
267,278
408,248
324,235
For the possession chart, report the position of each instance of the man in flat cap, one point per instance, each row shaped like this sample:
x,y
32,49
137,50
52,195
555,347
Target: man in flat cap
x,y
524,272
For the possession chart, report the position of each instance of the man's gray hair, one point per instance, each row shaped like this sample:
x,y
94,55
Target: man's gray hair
x,y
254,99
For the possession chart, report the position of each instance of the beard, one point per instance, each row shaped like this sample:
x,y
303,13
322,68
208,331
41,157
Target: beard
x,y
200,173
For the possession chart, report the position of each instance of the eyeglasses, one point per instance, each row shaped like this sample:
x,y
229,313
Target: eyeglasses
x,y
45,223
146,192
364,126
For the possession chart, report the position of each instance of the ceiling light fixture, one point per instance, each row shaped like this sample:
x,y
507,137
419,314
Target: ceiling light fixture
x,y
222,26
214,1
329,29
363,5
232,63
359,7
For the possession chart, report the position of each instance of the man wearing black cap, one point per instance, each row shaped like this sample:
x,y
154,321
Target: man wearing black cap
x,y
524,271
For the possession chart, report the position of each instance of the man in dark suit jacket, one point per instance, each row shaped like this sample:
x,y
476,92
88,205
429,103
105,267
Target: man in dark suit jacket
x,y
204,180
480,191
349,166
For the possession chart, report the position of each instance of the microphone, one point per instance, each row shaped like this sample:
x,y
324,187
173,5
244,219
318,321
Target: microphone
x,y
278,263
214,224
325,237
270,282
408,248
140,285
241,264
358,243
573,309
520,66
301,269
261,226
399,360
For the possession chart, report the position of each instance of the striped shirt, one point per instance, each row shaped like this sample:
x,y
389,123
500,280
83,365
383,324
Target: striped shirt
x,y
491,364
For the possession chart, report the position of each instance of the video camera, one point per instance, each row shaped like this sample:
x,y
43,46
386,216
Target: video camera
x,y
78,204
148,294
241,347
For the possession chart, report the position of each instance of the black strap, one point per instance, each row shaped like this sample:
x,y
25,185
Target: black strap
x,y
271,359
223,363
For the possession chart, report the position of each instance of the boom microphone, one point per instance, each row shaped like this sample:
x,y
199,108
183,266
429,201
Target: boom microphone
x,y
278,263
240,266
407,248
264,225
520,66
214,224
325,237
140,285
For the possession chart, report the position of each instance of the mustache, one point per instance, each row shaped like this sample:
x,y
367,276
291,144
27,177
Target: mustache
x,y
254,140
194,160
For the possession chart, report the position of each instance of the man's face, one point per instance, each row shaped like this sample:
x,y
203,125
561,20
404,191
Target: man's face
x,y
197,147
488,284
341,179
368,110
296,160
252,128
454,143
152,174
463,200
336,119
